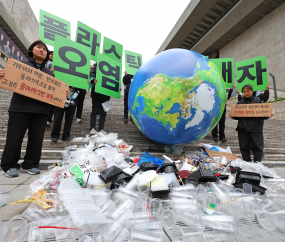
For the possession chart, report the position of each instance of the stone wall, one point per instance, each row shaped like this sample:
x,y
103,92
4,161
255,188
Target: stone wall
x,y
264,38
279,110
24,17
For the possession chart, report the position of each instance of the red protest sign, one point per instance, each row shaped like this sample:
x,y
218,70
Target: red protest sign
x,y
31,82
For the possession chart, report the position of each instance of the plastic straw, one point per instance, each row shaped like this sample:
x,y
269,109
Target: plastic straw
x,y
56,227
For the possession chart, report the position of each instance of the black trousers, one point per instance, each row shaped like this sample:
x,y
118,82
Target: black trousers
x,y
126,109
58,116
17,126
80,99
97,109
51,113
221,124
251,141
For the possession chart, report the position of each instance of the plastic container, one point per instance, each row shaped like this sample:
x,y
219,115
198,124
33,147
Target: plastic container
x,y
169,168
151,236
147,166
32,233
109,233
155,207
121,209
11,231
235,208
190,181
86,238
266,219
203,175
243,176
151,225
217,235
245,226
191,219
168,218
222,222
4,197
133,183
219,193
187,188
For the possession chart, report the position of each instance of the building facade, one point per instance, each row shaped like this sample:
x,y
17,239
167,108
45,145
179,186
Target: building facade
x,y
239,29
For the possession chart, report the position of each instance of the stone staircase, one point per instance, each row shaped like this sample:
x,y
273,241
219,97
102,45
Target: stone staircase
x,y
274,135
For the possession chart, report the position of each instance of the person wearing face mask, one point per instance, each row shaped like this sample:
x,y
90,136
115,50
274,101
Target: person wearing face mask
x,y
26,114
250,129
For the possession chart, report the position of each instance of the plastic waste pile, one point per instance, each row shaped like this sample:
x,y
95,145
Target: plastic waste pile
x,y
100,193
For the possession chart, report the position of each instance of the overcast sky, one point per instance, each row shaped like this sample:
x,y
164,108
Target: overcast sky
x,y
139,25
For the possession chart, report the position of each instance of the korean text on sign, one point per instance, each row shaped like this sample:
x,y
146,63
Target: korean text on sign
x,y
89,38
71,62
113,50
226,67
108,77
133,61
28,81
252,110
253,72
52,26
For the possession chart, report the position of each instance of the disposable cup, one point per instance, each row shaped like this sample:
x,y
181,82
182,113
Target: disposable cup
x,y
168,218
123,207
156,236
150,225
266,219
141,202
245,226
217,235
223,222
235,208
191,219
86,239
109,233
133,183
11,231
155,207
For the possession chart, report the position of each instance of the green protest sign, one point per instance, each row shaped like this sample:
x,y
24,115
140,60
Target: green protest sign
x,y
51,26
108,76
226,67
71,62
253,72
133,61
89,37
113,49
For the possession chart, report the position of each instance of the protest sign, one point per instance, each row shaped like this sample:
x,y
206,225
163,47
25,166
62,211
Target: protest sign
x,y
52,26
133,61
89,37
253,72
252,110
79,170
229,156
113,49
31,82
108,76
71,62
226,67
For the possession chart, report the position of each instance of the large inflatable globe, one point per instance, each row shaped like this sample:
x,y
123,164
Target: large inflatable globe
x,y
177,97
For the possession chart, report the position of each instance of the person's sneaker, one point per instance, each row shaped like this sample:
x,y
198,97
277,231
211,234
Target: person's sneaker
x,y
78,120
54,139
125,120
215,138
48,122
67,140
93,132
12,172
32,171
103,132
223,140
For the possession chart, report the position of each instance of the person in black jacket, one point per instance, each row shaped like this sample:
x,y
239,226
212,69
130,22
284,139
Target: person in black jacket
x,y
79,107
58,116
263,96
222,123
250,128
26,113
127,79
97,100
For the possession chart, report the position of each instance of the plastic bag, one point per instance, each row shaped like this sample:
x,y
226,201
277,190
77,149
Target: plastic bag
x,y
174,149
147,157
209,147
108,153
107,139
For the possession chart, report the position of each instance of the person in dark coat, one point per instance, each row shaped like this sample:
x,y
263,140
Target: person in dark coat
x,y
263,96
127,80
220,134
97,108
58,117
80,99
250,128
26,113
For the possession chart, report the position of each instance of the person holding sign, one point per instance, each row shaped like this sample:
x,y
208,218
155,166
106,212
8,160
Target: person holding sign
x,y
263,96
127,79
250,128
26,113
97,100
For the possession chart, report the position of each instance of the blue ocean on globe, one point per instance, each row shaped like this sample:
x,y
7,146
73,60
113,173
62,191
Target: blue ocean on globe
x,y
177,97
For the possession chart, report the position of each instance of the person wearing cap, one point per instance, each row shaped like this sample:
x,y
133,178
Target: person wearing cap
x,y
26,114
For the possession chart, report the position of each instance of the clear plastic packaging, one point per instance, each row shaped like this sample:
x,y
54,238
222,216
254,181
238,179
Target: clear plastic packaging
x,y
168,218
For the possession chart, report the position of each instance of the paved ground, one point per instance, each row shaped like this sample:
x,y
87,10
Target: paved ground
x,y
19,188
